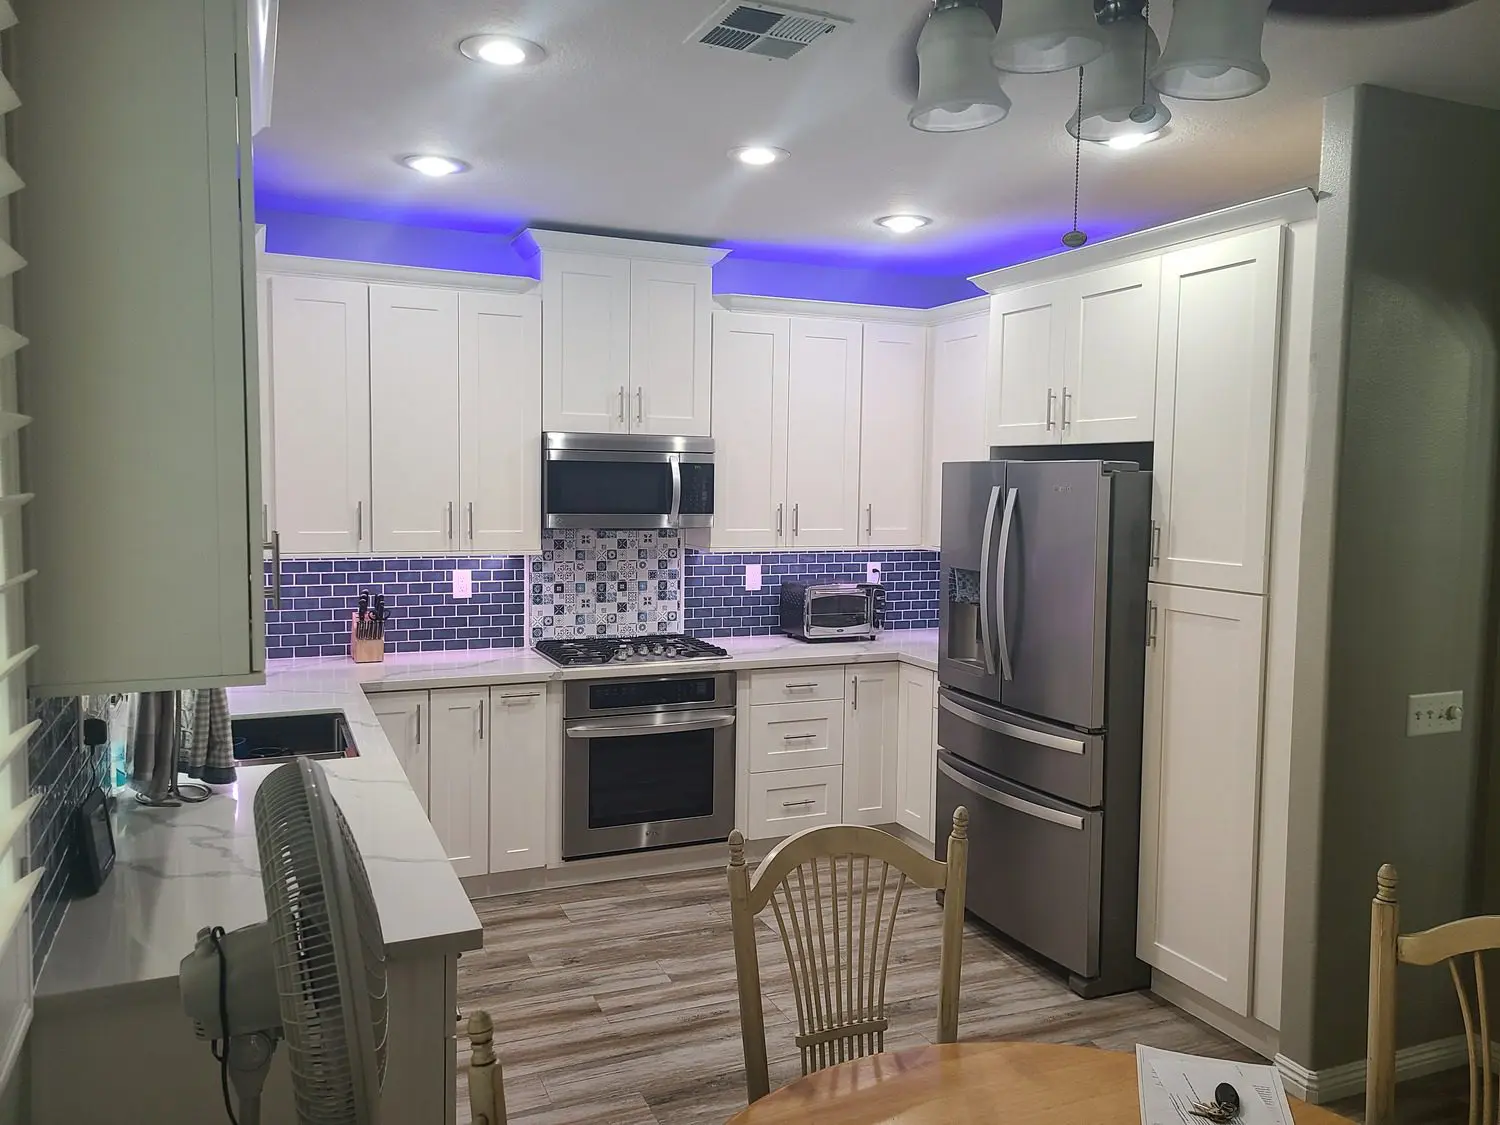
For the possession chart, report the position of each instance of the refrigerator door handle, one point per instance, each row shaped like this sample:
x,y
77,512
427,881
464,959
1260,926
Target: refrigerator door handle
x,y
1000,726
1003,565
986,584
1029,808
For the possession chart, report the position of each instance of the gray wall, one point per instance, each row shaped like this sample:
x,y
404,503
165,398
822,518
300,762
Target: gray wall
x,y
1406,320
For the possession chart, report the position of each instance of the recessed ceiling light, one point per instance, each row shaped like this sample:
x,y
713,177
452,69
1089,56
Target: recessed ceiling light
x,y
501,50
902,224
434,165
758,155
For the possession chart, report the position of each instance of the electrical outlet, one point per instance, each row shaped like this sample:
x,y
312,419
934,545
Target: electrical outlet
x,y
1438,712
872,572
752,576
463,583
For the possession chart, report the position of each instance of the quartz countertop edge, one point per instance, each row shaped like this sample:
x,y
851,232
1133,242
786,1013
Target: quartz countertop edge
x,y
181,869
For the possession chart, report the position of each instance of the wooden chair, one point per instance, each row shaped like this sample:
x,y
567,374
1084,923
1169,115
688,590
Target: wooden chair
x,y
486,1082
1389,947
837,940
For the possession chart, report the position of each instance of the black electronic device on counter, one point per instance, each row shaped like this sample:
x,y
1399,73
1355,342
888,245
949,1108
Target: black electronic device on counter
x,y
93,843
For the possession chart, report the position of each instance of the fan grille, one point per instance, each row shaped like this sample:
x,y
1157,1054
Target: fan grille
x,y
327,946
769,30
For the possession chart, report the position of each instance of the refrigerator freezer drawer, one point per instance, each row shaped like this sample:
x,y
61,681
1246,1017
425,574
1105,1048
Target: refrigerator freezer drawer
x,y
1059,761
1035,862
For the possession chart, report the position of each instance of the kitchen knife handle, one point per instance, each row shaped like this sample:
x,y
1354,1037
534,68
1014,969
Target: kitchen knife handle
x,y
471,522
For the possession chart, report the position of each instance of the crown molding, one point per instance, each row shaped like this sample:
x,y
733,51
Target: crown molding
x,y
571,242
890,314
290,265
1288,207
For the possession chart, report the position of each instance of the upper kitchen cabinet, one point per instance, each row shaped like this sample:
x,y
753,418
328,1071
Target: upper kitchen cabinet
x,y
626,331
1215,412
955,429
1074,360
320,373
892,436
752,373
138,299
823,423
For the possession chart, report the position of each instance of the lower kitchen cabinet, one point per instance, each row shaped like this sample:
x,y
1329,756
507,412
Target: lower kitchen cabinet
x,y
872,727
796,735
406,718
916,753
790,800
459,777
518,777
1200,780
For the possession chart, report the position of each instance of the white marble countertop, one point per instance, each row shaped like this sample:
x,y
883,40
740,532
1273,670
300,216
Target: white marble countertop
x,y
180,869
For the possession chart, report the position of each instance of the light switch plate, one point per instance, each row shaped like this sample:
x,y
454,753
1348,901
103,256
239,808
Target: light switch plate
x,y
872,572
1437,712
463,583
752,576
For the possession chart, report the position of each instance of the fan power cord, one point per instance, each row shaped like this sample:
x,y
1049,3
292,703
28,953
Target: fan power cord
x,y
214,935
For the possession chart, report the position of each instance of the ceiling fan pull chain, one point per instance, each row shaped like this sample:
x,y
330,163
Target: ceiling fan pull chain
x,y
1075,237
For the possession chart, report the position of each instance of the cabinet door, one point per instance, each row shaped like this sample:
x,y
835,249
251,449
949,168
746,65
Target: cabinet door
x,y
499,422
871,727
670,326
916,753
1199,784
518,777
751,361
822,475
459,802
956,430
267,410
320,367
585,342
406,719
1028,331
1215,408
413,419
892,438
1109,387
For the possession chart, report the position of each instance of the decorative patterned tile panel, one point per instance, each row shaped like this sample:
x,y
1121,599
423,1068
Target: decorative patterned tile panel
x,y
605,584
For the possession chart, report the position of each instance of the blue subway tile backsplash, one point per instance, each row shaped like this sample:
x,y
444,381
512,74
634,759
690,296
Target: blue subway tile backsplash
x,y
705,588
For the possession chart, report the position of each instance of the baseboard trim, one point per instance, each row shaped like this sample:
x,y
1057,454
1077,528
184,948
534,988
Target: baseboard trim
x,y
1334,1082
1259,1037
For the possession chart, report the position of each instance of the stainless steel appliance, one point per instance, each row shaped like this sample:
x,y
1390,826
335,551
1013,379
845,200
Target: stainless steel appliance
x,y
627,481
1041,661
628,650
647,763
830,610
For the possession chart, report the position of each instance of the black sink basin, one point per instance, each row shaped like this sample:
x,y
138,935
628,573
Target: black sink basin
x,y
273,739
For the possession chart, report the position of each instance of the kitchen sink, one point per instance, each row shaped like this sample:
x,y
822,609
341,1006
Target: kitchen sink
x,y
273,739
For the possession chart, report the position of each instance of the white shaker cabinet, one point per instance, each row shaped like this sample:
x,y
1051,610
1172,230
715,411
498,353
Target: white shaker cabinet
x,y
752,371
916,753
892,436
413,419
956,427
823,422
320,368
871,728
1215,412
518,777
406,718
670,365
585,342
1027,337
1199,789
499,420
459,777
1109,361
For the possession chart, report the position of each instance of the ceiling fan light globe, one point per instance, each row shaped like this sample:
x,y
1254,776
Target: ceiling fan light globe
x,y
1111,103
957,89
1045,36
1213,50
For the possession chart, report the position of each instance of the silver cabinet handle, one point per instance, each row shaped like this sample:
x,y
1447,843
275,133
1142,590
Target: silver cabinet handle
x,y
1051,396
265,522
481,720
275,591
1029,808
799,804
520,695
1006,523
780,509
450,521
1155,544
795,522
854,702
471,521
1150,624
986,583
801,687
797,737
419,724
359,521
622,404
639,417
869,521
1067,397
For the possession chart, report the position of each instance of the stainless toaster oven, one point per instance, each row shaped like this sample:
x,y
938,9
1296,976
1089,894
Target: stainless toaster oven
x,y
830,610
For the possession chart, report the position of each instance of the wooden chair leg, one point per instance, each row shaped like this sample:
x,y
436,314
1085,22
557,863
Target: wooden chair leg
x,y
486,1082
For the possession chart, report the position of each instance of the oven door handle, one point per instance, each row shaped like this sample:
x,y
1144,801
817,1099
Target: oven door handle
x,y
637,725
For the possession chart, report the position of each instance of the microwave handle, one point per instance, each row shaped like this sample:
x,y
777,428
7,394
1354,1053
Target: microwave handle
x,y
676,514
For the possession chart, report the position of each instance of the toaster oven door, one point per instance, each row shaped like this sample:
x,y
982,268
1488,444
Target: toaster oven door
x,y
840,614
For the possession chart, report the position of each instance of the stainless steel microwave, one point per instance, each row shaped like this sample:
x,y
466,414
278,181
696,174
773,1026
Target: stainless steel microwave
x,y
627,481
846,611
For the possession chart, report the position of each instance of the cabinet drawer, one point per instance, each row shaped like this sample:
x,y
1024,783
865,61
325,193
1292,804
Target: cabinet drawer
x,y
787,802
796,685
796,735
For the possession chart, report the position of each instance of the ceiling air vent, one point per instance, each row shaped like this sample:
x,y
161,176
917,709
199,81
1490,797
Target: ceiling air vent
x,y
773,31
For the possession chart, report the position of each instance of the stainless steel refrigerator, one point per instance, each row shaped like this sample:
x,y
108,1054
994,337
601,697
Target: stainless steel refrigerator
x,y
1041,662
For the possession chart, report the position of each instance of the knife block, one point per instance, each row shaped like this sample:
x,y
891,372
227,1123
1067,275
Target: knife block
x,y
365,650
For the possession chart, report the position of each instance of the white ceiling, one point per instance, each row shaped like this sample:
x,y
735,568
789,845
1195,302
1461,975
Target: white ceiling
x,y
625,126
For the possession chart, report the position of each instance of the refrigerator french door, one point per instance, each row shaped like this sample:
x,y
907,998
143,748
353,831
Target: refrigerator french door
x,y
1041,661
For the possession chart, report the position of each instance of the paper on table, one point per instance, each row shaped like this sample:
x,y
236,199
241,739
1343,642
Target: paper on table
x,y
1170,1083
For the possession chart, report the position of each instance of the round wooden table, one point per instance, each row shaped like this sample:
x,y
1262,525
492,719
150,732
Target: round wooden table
x,y
962,1083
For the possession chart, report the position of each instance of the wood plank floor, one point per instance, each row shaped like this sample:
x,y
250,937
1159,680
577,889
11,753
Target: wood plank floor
x,y
615,1003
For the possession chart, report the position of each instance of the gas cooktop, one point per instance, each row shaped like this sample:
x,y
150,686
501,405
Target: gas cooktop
x,y
628,650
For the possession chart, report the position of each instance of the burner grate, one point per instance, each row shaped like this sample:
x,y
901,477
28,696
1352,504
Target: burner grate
x,y
627,650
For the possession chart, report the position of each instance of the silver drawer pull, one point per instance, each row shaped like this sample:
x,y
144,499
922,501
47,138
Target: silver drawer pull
x,y
799,804
800,687
523,695
797,737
